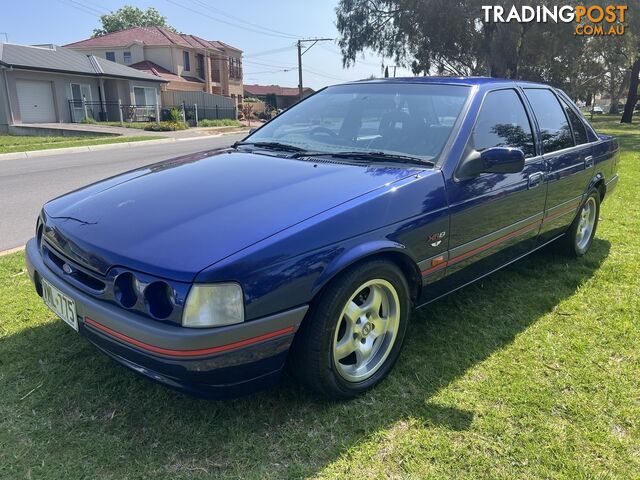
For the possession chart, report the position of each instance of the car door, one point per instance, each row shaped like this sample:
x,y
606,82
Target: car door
x,y
495,217
567,154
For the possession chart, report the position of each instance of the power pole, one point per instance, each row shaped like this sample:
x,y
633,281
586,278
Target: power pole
x,y
299,69
300,53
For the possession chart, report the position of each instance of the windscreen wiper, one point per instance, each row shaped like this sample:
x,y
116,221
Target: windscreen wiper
x,y
376,155
271,146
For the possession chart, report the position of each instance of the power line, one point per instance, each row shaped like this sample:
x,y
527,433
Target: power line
x,y
80,7
269,52
205,5
320,73
252,62
271,71
336,52
97,5
287,68
226,22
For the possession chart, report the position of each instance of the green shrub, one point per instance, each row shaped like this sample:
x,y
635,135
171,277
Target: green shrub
x,y
175,115
166,126
88,120
224,122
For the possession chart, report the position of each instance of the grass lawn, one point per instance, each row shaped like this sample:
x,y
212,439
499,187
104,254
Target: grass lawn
x,y
12,144
533,372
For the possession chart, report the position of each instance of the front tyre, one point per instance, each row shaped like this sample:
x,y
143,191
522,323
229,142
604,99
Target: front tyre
x,y
579,237
354,331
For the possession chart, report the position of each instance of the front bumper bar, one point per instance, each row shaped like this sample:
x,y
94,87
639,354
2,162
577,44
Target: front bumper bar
x,y
213,362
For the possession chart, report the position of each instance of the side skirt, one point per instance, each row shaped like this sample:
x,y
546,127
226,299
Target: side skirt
x,y
490,272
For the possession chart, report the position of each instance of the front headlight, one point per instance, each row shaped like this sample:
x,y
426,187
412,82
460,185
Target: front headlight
x,y
213,306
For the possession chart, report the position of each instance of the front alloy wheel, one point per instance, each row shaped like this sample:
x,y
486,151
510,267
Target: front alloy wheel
x,y
366,330
354,330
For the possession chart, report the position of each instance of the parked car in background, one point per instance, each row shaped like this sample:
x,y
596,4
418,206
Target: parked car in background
x,y
597,110
310,242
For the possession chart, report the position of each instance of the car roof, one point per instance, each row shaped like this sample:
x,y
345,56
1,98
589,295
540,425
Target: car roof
x,y
465,81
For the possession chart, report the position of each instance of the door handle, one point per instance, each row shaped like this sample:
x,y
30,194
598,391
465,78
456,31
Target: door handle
x,y
588,161
535,179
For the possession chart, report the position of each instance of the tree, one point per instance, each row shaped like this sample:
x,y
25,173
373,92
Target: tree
x,y
633,43
632,95
129,17
451,38
247,111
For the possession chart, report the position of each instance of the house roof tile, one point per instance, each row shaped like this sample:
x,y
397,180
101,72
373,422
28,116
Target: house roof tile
x,y
155,69
149,36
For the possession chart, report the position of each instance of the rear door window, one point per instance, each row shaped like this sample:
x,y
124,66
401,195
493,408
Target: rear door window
x,y
553,123
503,122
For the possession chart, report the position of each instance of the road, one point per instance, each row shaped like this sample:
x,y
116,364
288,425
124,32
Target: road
x,y
27,183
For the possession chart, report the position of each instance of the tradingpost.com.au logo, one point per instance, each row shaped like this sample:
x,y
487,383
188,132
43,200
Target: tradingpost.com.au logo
x,y
602,20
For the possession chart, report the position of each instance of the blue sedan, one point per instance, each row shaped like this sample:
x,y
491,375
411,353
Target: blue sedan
x,y
308,244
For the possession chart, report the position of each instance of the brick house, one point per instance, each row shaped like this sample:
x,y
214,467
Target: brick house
x,y
187,62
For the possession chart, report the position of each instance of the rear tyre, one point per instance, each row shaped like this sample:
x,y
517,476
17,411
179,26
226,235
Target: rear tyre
x,y
579,237
354,331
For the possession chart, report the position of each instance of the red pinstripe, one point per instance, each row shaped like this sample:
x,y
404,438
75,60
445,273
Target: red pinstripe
x,y
499,240
187,353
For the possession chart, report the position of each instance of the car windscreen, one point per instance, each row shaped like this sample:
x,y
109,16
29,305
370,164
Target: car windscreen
x,y
394,118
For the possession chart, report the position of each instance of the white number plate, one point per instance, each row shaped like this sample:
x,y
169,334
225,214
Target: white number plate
x,y
61,305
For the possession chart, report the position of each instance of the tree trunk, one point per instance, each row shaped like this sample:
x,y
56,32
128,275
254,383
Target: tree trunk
x,y
612,89
632,96
519,47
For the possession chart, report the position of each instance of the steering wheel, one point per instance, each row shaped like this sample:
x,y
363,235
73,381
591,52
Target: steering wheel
x,y
323,131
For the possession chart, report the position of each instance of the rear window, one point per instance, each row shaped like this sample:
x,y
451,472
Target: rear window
x,y
554,127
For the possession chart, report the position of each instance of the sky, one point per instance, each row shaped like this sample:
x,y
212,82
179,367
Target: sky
x,y
266,30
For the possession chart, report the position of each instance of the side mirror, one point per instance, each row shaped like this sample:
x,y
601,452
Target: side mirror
x,y
492,160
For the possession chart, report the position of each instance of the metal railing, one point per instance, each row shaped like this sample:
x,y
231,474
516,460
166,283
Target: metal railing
x,y
118,112
111,112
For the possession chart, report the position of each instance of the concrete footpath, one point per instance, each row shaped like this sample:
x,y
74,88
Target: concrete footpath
x,y
168,137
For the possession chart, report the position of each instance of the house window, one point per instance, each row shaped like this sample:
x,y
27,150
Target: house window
x,y
111,56
80,91
127,58
200,66
235,68
187,64
145,96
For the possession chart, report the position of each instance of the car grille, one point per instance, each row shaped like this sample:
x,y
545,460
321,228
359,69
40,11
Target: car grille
x,y
150,296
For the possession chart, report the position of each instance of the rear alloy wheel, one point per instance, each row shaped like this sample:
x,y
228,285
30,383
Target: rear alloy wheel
x,y
354,331
582,231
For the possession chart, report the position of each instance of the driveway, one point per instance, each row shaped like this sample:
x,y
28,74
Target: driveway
x,y
27,183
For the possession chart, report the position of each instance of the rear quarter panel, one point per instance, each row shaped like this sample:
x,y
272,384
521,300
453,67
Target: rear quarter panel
x,y
606,155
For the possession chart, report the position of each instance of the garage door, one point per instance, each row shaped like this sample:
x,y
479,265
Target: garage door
x,y
35,100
